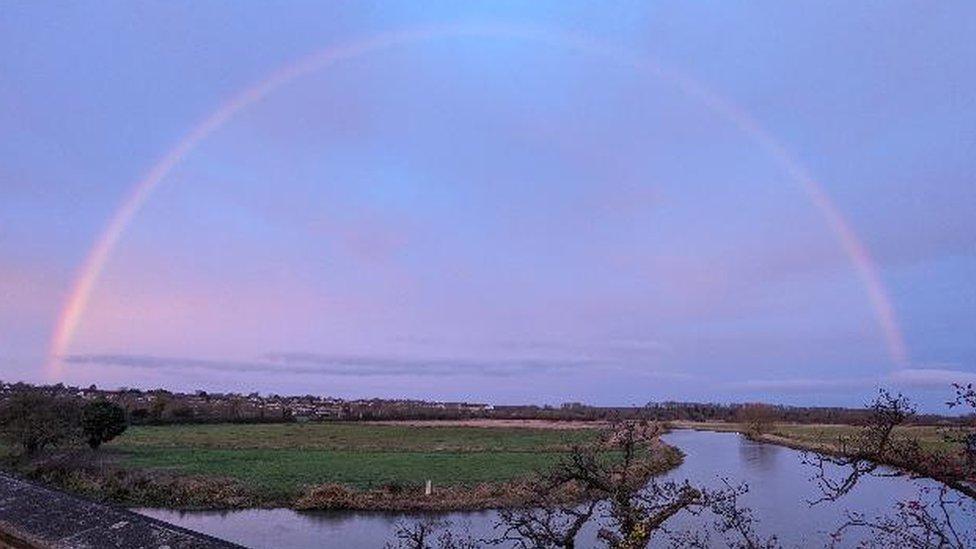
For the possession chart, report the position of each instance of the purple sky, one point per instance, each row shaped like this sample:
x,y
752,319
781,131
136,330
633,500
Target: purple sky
x,y
493,217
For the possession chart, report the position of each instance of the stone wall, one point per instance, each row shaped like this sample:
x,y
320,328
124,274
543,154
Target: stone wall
x,y
33,516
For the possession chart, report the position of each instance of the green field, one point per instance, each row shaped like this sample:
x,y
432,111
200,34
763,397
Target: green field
x,y
280,459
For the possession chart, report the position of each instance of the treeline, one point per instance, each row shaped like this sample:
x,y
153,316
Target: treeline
x,y
697,411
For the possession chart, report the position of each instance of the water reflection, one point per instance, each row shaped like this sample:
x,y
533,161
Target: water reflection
x,y
761,457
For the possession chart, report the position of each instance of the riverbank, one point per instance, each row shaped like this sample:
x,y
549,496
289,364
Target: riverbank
x,y
350,466
818,437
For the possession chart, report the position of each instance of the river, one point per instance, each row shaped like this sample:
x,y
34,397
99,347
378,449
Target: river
x,y
779,489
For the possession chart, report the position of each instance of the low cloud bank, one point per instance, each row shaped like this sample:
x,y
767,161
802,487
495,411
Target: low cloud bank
x,y
320,364
909,378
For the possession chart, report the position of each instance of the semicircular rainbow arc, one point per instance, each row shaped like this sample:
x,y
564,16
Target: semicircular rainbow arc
x,y
84,282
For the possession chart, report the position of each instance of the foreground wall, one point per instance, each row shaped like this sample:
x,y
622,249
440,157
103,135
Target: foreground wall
x,y
34,516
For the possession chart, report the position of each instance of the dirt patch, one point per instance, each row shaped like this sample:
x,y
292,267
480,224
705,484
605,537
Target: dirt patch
x,y
496,423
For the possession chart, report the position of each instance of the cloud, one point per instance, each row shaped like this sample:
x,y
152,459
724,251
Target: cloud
x,y
361,366
801,385
931,377
366,365
337,365
911,378
607,350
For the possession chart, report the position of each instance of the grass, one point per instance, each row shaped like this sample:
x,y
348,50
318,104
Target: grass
x,y
283,472
356,437
820,435
930,438
281,459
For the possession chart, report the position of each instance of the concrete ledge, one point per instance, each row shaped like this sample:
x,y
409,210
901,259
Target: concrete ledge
x,y
33,516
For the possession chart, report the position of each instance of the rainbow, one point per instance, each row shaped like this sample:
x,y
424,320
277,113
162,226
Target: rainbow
x,y
90,270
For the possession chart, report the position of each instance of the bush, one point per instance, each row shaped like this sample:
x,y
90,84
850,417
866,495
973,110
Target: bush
x,y
101,421
85,474
327,497
34,420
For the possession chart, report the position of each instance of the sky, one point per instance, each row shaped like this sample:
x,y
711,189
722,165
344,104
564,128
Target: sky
x,y
505,202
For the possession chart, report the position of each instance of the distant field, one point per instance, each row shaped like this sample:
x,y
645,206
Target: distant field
x,y
282,458
931,438
827,435
356,437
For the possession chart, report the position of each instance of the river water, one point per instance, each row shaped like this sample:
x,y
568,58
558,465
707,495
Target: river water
x,y
779,489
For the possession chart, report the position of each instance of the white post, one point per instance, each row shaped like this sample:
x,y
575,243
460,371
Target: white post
x,y
428,490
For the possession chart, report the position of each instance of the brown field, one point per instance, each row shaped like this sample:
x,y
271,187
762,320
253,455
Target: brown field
x,y
496,423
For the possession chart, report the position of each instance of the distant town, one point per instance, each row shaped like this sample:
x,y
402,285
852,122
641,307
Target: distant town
x,y
161,406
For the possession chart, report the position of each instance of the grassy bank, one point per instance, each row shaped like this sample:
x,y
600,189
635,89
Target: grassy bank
x,y
822,437
826,436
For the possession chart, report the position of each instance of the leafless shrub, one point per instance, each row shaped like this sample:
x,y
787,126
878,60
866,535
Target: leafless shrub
x,y
326,497
430,534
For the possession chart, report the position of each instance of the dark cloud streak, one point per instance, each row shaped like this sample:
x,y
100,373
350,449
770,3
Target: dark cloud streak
x,y
319,364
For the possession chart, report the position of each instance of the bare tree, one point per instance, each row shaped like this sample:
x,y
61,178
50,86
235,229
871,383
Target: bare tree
x,y
866,452
930,520
621,471
736,523
964,434
758,417
881,449
546,524
430,534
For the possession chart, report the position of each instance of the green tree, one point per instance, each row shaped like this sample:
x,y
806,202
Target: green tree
x,y
36,419
101,421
